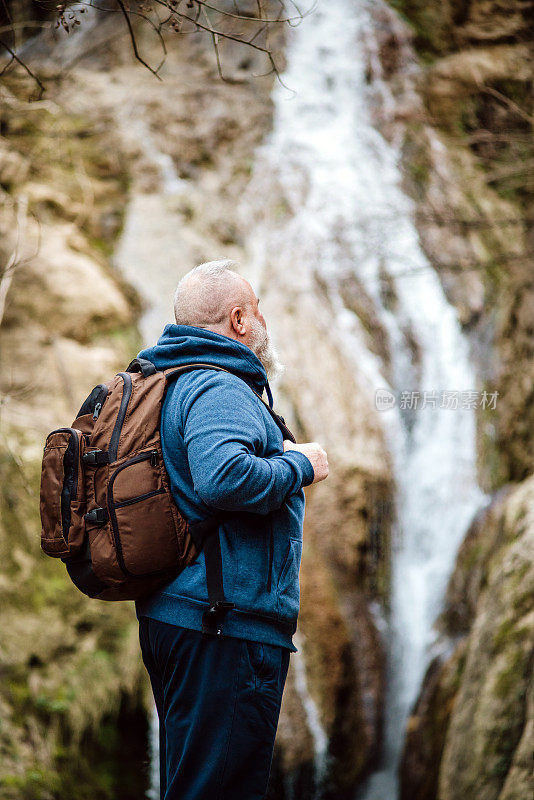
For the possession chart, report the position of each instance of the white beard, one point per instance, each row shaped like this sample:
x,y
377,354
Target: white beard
x,y
262,346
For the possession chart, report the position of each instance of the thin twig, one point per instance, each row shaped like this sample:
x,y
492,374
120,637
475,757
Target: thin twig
x,y
32,75
252,18
157,28
260,30
133,40
221,33
508,102
6,66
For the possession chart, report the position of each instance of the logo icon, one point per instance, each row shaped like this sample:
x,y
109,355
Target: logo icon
x,y
384,399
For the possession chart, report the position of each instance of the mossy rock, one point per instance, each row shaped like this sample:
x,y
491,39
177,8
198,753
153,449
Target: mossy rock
x,y
70,666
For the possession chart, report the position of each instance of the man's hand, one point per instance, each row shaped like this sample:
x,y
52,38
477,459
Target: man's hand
x,y
315,453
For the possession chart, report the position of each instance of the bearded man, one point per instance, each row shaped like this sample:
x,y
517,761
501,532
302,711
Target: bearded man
x,y
216,640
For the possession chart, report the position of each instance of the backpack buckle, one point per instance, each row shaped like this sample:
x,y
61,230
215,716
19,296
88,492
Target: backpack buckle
x,y
96,458
97,516
213,617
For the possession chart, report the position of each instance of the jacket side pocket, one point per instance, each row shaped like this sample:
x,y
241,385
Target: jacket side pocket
x,y
288,593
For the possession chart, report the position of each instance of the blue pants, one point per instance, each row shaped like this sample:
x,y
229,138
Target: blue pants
x,y
218,701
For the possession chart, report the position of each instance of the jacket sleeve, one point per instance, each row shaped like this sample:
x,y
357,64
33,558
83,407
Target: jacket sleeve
x,y
225,434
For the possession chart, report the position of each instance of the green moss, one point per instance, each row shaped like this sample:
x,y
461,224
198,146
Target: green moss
x,y
509,691
472,556
18,693
86,176
459,669
83,647
416,161
510,682
491,465
430,24
509,634
33,785
124,340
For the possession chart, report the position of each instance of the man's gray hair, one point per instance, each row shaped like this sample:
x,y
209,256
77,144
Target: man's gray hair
x,y
206,294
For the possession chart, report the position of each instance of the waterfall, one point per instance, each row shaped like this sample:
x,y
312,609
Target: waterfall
x,y
313,719
344,213
153,792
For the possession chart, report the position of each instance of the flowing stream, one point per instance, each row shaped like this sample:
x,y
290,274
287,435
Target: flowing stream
x,y
340,180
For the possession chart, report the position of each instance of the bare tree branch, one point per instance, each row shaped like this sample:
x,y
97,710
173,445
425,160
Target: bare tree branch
x,y
260,17
126,16
211,17
32,75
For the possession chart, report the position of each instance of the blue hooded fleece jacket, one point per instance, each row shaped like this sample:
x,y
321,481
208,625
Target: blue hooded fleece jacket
x,y
223,450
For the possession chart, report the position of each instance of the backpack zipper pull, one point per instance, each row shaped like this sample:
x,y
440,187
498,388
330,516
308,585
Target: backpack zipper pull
x,y
154,458
97,410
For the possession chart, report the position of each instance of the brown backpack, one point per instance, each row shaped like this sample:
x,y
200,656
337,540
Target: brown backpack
x,y
106,506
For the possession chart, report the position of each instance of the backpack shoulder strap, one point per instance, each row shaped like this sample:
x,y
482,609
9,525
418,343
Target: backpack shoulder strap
x,y
142,365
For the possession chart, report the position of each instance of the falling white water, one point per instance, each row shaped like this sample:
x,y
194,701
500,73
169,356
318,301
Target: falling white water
x,y
153,792
340,183
313,719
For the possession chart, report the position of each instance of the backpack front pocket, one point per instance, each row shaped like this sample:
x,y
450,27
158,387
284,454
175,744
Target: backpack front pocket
x,y
140,513
62,493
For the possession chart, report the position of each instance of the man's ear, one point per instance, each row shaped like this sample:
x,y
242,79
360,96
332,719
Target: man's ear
x,y
237,320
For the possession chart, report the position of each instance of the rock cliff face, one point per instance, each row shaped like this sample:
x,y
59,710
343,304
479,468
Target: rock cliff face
x,y
71,677
471,732
464,113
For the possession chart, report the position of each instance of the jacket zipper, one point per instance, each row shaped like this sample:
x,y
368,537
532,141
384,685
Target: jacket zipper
x,y
153,456
115,436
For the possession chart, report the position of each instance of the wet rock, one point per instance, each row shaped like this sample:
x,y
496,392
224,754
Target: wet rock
x,y
472,725
481,540
294,762
427,726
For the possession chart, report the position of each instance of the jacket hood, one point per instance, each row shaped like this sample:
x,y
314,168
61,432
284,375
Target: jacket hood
x,y
185,344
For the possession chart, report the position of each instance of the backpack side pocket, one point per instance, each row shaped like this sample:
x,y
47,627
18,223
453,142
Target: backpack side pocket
x,y
63,502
